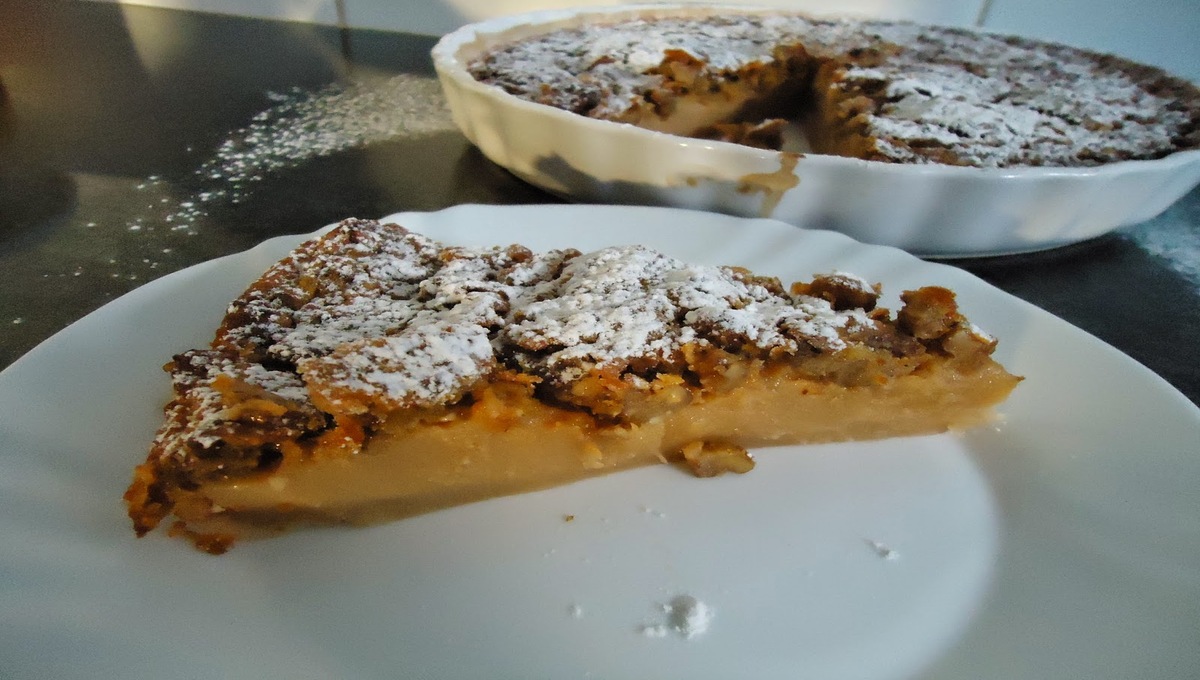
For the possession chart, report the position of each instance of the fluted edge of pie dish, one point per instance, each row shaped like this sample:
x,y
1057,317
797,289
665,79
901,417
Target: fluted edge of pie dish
x,y
934,210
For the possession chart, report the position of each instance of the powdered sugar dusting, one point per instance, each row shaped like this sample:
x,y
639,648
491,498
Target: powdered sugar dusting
x,y
302,125
1172,237
296,127
561,315
996,101
424,364
940,94
619,304
685,616
603,70
200,415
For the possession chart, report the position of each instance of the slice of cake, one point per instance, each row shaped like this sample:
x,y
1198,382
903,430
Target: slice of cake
x,y
376,374
878,90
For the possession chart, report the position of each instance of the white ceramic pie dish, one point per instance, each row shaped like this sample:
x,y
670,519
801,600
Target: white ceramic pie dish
x,y
930,210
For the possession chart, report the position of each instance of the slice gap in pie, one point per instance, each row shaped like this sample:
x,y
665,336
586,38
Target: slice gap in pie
x,y
376,374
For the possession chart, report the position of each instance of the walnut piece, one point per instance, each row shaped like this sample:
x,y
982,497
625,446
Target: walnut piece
x,y
709,459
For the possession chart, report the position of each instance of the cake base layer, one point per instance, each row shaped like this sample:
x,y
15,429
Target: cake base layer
x,y
507,442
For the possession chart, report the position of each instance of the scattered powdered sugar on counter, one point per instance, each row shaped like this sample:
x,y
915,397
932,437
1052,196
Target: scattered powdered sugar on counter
x,y
685,616
301,126
305,125
1172,238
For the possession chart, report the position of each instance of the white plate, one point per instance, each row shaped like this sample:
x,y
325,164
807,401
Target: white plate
x,y
1062,543
928,209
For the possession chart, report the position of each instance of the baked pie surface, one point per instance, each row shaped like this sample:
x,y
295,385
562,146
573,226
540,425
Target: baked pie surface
x,y
376,373
878,90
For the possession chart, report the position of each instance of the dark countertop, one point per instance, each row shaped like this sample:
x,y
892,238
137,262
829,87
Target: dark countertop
x,y
137,141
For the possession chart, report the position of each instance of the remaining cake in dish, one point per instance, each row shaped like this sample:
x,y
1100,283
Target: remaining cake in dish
x,y
376,374
877,90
